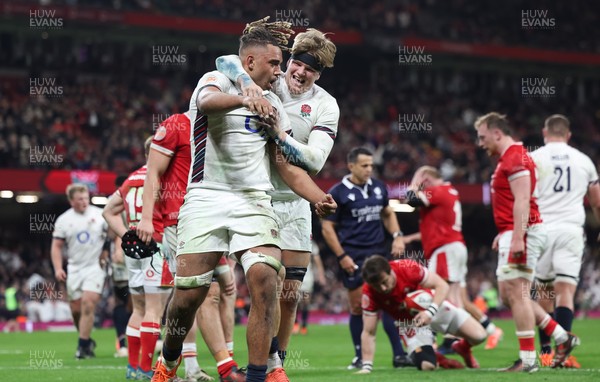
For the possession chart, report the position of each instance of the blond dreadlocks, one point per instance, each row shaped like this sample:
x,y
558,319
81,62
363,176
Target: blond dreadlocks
x,y
261,32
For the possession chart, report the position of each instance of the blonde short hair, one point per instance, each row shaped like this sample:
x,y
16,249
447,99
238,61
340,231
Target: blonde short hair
x,y
494,120
315,43
431,171
76,187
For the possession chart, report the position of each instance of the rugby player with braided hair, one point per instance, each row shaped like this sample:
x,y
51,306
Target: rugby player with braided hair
x,y
227,207
314,116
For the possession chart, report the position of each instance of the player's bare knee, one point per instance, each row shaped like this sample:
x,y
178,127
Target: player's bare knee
x,y
478,337
427,366
214,296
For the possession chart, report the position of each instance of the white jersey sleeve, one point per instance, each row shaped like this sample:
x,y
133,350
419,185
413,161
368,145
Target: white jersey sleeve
x,y
564,176
60,228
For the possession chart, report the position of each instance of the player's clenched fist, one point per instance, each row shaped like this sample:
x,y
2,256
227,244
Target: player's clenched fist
x,y
325,207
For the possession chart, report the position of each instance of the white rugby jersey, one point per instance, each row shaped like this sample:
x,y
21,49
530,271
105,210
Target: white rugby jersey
x,y
229,149
564,175
84,236
314,119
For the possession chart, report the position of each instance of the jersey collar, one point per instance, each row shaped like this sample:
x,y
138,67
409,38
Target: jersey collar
x,y
364,190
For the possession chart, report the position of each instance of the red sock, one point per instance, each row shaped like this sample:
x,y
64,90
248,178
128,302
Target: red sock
x,y
133,345
225,369
148,335
527,343
550,326
464,344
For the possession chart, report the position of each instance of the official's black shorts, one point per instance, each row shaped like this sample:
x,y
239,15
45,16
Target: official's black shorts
x,y
359,256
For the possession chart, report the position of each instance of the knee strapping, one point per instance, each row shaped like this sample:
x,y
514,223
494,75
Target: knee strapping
x,y
197,281
250,258
295,273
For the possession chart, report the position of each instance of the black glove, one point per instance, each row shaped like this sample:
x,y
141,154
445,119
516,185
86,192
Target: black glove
x,y
135,248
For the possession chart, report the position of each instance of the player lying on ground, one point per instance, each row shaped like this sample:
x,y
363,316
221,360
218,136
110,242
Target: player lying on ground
x,y
387,287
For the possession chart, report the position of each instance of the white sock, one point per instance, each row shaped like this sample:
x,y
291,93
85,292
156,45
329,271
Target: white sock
x,y
559,334
230,346
190,357
528,357
491,328
274,362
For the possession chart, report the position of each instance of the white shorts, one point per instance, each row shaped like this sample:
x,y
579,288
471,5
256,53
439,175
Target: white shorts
x,y
225,221
169,246
90,279
448,320
535,243
295,220
146,275
450,262
561,261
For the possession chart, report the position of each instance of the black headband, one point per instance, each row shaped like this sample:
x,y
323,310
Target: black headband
x,y
309,60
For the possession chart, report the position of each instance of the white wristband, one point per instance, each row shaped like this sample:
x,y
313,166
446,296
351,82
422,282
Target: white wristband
x,y
432,309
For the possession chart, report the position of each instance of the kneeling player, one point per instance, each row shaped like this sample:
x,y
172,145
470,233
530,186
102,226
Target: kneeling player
x,y
387,285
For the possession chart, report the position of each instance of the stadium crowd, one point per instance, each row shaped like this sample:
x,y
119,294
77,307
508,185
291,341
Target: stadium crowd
x,y
409,117
455,20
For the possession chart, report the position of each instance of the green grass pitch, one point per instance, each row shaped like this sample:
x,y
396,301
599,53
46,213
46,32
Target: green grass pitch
x,y
321,355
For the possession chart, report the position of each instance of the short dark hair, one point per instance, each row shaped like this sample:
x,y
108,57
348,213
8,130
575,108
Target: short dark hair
x,y
557,125
355,152
372,268
495,120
